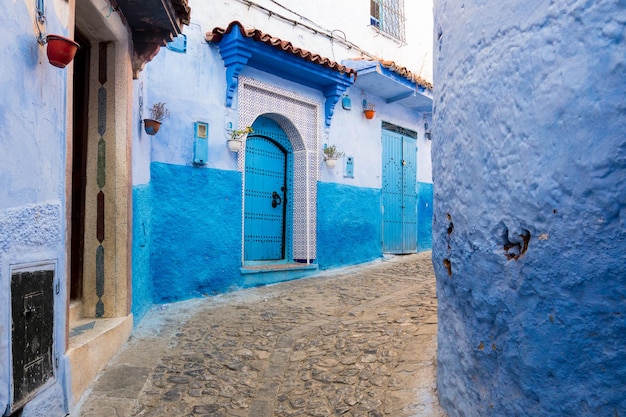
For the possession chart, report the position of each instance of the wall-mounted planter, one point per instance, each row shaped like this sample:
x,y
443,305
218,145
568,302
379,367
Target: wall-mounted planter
x,y
331,154
330,162
60,50
151,126
236,138
369,114
234,145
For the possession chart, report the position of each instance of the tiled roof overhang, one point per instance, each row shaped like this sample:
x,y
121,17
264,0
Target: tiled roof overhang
x,y
393,83
153,23
242,47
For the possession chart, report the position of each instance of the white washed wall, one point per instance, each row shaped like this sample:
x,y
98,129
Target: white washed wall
x,y
351,17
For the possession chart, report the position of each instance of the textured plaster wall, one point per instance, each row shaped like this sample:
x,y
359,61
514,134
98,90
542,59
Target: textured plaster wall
x,y
196,231
424,216
32,179
142,231
349,225
530,207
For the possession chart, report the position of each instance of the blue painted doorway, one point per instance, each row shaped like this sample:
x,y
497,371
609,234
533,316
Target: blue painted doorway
x,y
267,193
399,190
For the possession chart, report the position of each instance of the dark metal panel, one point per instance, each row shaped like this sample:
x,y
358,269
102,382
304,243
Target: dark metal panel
x,y
32,313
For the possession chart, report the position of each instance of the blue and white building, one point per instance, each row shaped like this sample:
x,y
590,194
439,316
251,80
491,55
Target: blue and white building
x,y
209,220
99,220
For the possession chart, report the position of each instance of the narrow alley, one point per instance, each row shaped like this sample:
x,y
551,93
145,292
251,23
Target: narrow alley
x,y
354,342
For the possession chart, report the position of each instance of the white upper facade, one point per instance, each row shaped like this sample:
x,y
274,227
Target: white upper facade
x,y
336,29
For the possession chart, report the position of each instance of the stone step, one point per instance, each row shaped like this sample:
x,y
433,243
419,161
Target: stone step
x,y
92,344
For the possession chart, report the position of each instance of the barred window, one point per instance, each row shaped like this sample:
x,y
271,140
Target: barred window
x,y
388,16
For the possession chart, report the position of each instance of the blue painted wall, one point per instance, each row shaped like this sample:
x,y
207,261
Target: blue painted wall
x,y
424,216
348,225
32,181
142,231
196,231
530,208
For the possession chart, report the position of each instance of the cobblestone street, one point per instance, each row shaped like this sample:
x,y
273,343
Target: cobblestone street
x,y
355,342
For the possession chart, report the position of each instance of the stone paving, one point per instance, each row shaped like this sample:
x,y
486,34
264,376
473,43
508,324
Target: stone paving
x,y
355,342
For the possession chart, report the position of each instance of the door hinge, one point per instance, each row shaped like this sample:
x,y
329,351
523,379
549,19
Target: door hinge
x,y
56,360
57,287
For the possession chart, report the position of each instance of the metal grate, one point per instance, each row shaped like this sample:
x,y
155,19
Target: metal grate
x,y
388,16
32,332
399,130
299,117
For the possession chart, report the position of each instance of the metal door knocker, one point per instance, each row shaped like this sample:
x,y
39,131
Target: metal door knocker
x,y
276,200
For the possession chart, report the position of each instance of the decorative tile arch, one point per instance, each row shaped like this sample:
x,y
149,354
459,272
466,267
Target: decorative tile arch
x,y
299,117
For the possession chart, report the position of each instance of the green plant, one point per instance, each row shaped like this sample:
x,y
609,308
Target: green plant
x,y
159,112
238,133
331,151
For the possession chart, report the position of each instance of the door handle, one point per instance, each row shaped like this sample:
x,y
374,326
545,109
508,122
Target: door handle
x,y
276,200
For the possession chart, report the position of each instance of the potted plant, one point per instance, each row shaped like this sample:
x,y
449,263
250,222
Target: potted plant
x,y
369,111
331,154
158,113
237,136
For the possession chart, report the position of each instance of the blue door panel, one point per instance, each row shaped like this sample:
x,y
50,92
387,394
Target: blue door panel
x,y
392,193
264,218
409,195
399,193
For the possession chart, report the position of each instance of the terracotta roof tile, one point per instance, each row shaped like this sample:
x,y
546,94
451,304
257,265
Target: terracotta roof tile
x,y
217,34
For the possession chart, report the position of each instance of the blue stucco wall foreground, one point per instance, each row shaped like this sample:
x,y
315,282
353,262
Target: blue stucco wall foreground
x,y
196,231
424,216
529,234
348,225
142,231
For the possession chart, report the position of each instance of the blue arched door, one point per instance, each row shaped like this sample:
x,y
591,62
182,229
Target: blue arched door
x,y
266,193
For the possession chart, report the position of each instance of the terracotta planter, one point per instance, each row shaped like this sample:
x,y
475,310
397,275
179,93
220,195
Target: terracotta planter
x,y
369,114
330,162
60,50
151,126
234,145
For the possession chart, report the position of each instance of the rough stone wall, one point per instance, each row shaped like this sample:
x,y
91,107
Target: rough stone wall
x,y
529,235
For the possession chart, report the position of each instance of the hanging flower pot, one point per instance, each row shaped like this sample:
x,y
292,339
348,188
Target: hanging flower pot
x,y
369,114
158,113
151,126
60,50
234,145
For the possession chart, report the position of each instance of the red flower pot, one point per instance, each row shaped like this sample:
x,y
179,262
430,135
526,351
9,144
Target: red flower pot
x,y
60,50
369,114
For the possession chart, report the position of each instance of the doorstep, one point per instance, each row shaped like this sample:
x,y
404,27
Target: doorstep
x,y
92,344
276,267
